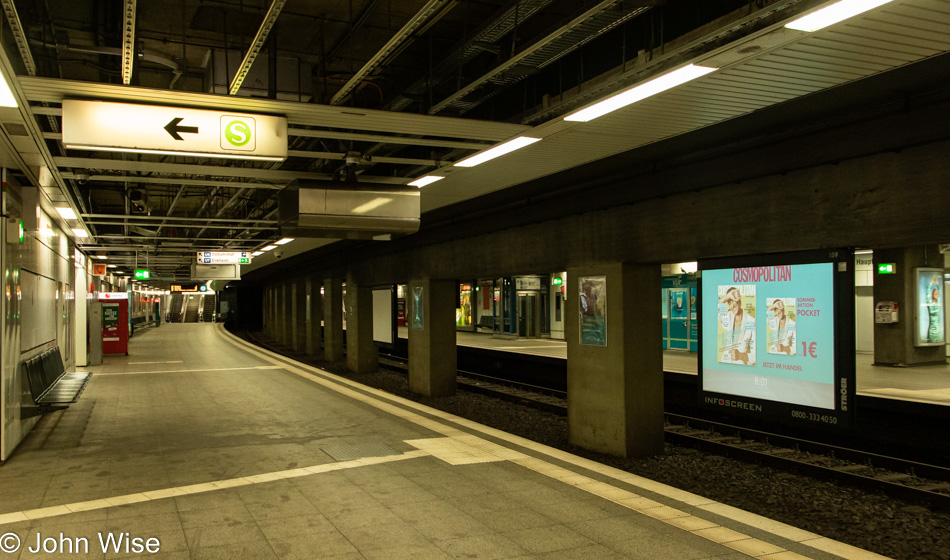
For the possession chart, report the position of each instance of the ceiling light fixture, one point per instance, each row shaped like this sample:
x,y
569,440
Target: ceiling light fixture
x,y
427,180
256,253
640,92
67,213
268,248
830,15
284,241
80,232
6,94
110,266
498,151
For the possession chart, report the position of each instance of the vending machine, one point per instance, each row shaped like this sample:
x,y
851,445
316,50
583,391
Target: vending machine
x,y
115,322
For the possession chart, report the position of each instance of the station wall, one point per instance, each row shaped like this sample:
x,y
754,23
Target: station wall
x,y
39,312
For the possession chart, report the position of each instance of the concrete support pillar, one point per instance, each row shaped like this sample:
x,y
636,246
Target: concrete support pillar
x,y
614,359
314,318
333,319
906,343
361,353
432,353
300,315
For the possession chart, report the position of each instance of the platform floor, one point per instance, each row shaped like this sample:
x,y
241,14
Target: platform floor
x,y
925,384
220,449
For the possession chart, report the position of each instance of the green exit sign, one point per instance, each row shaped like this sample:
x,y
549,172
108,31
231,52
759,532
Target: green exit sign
x,y
887,268
22,231
557,281
141,275
245,261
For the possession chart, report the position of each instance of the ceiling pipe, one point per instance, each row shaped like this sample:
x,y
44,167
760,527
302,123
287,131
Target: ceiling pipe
x,y
256,45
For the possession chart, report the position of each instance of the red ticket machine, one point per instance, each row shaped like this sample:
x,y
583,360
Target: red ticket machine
x,y
115,322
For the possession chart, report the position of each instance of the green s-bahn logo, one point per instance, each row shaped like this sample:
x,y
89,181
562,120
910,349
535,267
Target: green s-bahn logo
x,y
237,133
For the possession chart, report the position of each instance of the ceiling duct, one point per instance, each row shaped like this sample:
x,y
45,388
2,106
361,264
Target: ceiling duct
x,y
326,209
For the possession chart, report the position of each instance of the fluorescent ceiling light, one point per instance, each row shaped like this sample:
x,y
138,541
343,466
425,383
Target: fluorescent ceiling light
x,y
427,180
830,15
80,232
103,257
67,213
110,266
268,248
284,241
863,252
255,253
6,94
497,151
640,92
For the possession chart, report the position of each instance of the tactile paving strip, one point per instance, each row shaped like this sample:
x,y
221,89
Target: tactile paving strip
x,y
348,452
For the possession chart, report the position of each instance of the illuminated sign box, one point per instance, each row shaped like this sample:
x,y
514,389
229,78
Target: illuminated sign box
x,y
107,126
223,257
142,274
887,268
774,337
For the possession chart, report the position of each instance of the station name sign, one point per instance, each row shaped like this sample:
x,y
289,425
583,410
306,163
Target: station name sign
x,y
223,257
108,126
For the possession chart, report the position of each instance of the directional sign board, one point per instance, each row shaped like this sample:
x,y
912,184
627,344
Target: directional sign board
x,y
107,126
142,274
223,257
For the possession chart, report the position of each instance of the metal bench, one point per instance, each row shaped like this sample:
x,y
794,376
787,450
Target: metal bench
x,y
51,385
486,322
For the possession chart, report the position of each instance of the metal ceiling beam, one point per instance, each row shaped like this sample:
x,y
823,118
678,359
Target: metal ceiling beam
x,y
148,180
189,226
364,15
128,40
501,24
385,139
521,57
178,219
380,159
431,9
13,19
302,114
276,175
256,45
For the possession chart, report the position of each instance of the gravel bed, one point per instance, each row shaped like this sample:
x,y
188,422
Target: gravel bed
x,y
875,522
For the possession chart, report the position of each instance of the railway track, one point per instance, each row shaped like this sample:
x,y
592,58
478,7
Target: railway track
x,y
908,480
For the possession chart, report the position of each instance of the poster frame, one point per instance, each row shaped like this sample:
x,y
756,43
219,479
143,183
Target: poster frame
x,y
919,274
753,411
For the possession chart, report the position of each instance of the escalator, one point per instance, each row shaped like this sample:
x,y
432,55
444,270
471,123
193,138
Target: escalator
x,y
207,308
190,313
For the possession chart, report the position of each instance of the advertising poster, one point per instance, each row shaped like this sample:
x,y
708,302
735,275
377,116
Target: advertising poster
x,y
930,311
679,303
417,320
463,313
735,333
789,312
593,307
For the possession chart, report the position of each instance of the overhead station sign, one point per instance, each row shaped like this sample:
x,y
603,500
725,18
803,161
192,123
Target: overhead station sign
x,y
223,257
107,126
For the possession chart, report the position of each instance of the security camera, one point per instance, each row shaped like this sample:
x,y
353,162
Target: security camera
x,y
82,178
278,254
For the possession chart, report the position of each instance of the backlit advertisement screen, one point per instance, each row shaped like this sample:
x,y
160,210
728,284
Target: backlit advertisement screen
x,y
930,326
768,334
